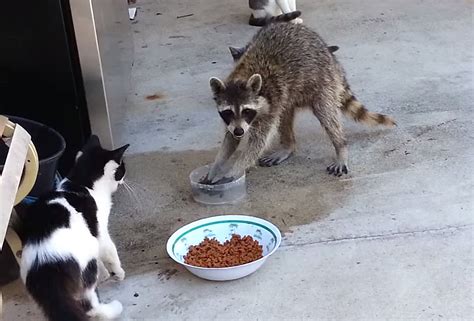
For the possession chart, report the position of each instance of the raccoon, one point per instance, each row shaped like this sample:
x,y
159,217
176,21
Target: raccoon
x,y
286,67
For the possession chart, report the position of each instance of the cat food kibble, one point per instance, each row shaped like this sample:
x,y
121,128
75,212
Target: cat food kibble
x,y
212,254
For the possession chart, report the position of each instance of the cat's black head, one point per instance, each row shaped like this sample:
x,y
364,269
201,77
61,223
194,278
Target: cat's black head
x,y
97,166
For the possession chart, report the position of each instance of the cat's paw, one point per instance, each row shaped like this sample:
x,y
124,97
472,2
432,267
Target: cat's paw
x,y
106,311
118,274
297,21
103,272
104,275
115,309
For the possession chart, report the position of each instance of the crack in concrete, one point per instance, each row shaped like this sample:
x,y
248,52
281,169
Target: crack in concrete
x,y
163,261
380,236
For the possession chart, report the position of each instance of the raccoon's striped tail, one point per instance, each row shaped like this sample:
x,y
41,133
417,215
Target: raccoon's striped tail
x,y
285,17
357,111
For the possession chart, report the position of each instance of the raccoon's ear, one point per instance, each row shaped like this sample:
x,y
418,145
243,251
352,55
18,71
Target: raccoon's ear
x,y
255,83
217,85
236,52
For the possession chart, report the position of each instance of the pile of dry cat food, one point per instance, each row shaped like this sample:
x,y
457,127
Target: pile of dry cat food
x,y
212,254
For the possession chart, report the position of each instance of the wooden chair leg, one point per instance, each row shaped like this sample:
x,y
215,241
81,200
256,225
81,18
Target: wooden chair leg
x,y
14,242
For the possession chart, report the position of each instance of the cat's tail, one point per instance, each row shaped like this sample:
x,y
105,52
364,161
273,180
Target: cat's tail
x,y
285,17
56,288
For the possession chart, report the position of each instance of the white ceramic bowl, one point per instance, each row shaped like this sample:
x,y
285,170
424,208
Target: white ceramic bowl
x,y
226,193
222,227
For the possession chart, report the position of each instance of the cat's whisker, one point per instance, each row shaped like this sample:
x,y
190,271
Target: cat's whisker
x,y
132,193
127,188
135,184
128,191
139,190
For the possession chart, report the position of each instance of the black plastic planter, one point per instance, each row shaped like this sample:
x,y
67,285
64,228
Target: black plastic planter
x,y
50,145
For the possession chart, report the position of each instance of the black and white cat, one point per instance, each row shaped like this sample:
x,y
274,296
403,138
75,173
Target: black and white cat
x,y
66,239
262,10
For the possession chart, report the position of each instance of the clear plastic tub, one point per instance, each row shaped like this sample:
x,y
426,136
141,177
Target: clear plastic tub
x,y
231,192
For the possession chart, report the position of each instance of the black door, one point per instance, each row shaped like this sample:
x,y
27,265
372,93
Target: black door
x,y
40,76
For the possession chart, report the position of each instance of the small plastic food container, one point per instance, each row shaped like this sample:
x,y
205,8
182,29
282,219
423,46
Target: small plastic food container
x,y
226,193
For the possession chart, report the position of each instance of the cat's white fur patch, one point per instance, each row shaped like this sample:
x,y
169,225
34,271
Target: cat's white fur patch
x,y
102,194
75,241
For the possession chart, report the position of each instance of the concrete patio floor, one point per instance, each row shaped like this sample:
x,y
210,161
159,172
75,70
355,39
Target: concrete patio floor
x,y
392,240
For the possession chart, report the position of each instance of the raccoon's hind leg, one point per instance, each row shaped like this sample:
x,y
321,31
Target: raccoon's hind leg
x,y
287,141
330,119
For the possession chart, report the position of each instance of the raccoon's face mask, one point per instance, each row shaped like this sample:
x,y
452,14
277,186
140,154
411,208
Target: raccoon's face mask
x,y
238,103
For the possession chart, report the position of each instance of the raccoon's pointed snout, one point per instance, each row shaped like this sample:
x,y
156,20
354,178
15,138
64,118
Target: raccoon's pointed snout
x,y
238,132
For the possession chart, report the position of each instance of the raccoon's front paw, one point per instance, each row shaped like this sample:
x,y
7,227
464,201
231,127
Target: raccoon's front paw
x,y
205,180
297,21
221,179
213,172
118,274
275,158
217,174
337,168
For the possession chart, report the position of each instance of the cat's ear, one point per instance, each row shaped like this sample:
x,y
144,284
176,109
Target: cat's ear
x,y
91,143
79,154
236,52
117,154
217,85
